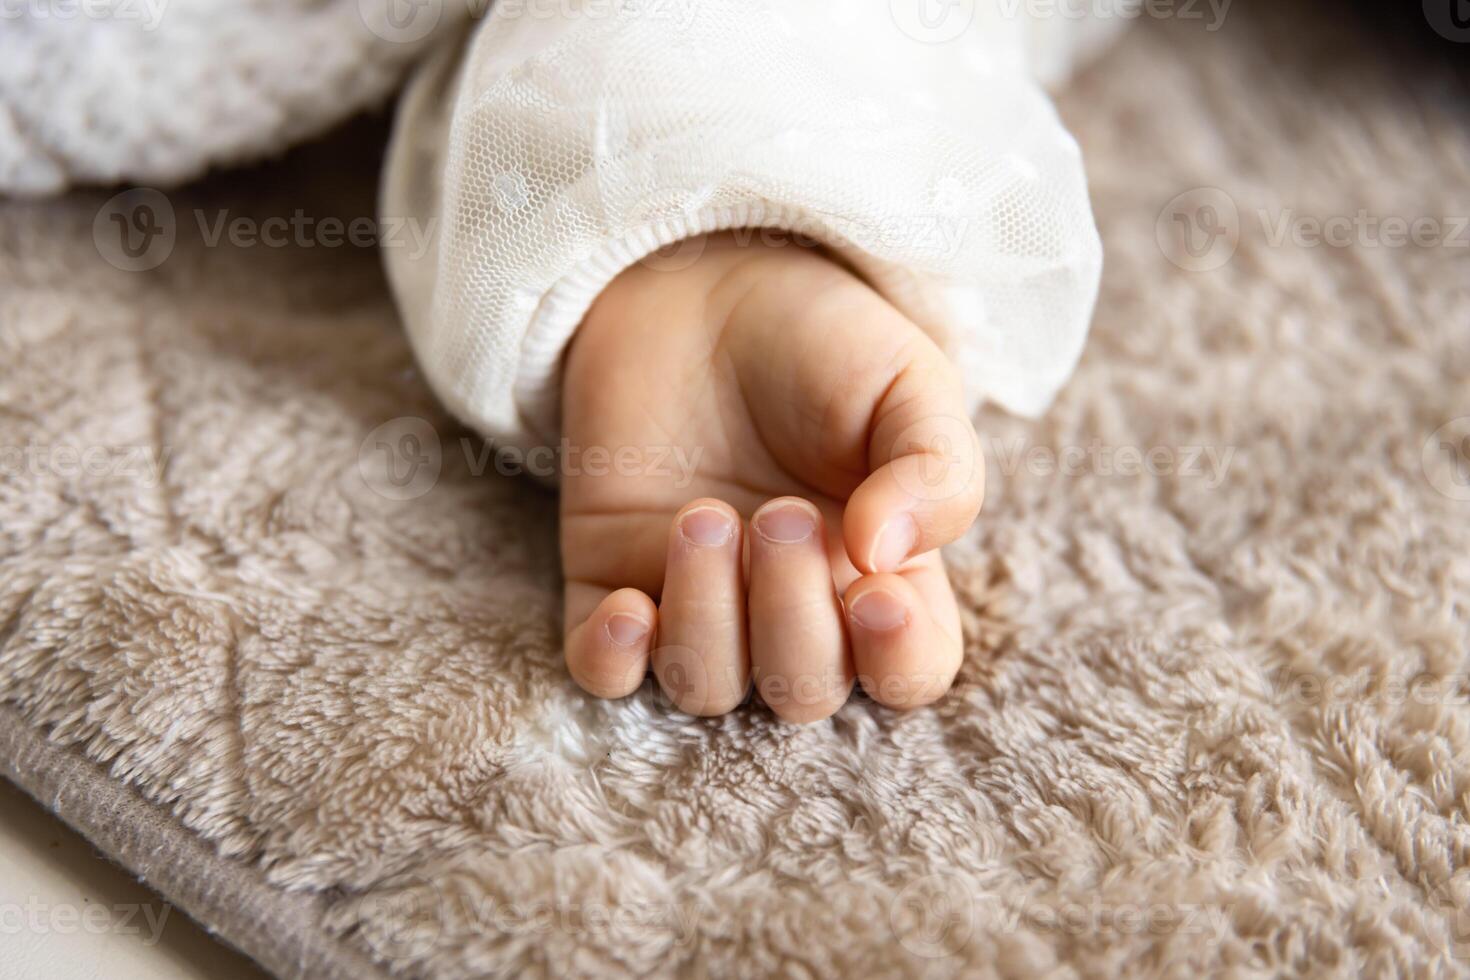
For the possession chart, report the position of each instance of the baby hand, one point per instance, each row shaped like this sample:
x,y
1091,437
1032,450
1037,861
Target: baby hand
x,y
767,385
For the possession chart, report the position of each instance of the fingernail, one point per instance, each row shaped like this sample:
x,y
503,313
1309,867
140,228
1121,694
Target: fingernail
x,y
625,629
707,527
895,541
879,611
786,523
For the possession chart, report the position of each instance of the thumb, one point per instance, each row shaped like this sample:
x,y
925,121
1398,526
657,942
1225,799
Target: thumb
x,y
927,478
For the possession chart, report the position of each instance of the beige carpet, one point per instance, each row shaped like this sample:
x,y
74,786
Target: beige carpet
x,y
1214,712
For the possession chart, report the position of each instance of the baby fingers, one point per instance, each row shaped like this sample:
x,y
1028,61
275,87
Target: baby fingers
x,y
701,660
607,652
905,634
798,646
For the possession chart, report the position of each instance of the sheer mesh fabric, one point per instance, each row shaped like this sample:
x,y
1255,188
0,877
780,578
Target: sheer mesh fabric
x,y
565,143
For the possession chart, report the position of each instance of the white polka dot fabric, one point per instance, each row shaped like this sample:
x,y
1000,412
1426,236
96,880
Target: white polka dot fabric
x,y
567,142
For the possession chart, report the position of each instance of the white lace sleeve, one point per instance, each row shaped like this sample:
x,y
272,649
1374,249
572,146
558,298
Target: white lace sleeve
x,y
571,140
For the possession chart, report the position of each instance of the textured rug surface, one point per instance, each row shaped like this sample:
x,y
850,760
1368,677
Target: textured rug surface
x,y
1213,715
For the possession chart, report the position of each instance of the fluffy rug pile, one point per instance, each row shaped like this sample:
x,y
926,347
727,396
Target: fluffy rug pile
x,y
1214,711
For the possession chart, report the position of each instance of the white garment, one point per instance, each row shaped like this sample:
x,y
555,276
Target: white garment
x,y
573,138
